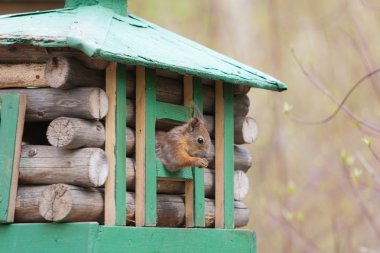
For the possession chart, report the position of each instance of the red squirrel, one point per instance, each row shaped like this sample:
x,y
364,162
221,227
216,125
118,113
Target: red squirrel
x,y
184,146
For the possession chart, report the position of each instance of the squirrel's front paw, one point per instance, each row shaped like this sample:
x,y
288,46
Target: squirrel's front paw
x,y
201,162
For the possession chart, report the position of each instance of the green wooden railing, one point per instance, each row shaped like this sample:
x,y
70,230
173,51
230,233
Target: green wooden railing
x,y
12,111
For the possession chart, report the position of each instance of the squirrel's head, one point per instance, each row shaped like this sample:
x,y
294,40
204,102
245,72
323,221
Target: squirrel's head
x,y
199,141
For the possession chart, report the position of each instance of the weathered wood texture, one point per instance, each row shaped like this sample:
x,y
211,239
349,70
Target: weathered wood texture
x,y
72,133
66,73
22,75
242,158
245,130
47,104
66,203
241,186
60,202
48,165
31,54
171,91
12,113
242,127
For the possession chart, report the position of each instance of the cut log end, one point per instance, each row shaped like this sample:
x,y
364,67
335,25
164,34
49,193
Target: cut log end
x,y
55,203
98,103
241,185
57,72
250,130
60,132
73,133
98,168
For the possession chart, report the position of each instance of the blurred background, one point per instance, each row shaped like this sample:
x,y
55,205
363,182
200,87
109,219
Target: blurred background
x,y
314,187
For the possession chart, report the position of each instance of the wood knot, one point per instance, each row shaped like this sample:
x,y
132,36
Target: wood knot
x,y
32,153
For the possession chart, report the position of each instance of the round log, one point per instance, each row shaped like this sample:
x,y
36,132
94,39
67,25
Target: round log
x,y
171,91
60,202
245,131
48,165
73,133
65,73
241,185
47,104
22,75
27,201
242,158
171,211
66,203
245,128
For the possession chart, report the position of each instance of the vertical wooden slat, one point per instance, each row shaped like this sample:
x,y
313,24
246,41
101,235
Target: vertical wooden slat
x,y
115,200
146,180
219,155
228,156
150,149
120,147
189,184
198,175
140,145
12,109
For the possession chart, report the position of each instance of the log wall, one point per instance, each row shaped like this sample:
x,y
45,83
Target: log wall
x,y
63,164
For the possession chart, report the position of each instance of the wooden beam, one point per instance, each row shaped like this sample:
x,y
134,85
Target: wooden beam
x,y
228,156
12,109
219,155
198,175
189,184
115,147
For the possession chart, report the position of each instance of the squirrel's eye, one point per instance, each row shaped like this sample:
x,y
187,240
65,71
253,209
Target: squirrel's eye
x,y
200,140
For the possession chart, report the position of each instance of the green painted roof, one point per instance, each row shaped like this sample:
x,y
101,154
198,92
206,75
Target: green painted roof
x,y
100,32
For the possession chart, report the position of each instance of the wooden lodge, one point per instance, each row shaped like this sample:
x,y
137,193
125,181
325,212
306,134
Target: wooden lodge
x,y
83,91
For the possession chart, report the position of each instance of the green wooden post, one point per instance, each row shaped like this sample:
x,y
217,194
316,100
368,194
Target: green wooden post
x,y
9,117
120,145
198,176
228,156
150,150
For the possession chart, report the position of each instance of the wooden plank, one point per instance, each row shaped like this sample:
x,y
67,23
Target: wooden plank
x,y
228,156
115,145
150,149
174,240
189,184
52,238
184,174
198,175
90,237
140,145
120,146
12,109
172,112
219,155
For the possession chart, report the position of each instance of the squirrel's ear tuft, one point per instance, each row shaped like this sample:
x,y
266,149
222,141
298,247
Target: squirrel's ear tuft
x,y
194,123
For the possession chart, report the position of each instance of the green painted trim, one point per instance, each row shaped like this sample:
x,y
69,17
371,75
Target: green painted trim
x,y
172,112
228,156
52,238
93,238
100,32
150,149
198,175
120,147
9,110
184,173
174,240
118,6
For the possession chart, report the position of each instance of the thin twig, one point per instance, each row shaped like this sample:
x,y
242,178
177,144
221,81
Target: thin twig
x,y
340,104
369,168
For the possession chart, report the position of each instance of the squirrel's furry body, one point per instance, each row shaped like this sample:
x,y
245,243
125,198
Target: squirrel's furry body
x,y
184,146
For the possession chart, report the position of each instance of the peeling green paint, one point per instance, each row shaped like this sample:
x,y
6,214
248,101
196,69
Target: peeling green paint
x,y
100,32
